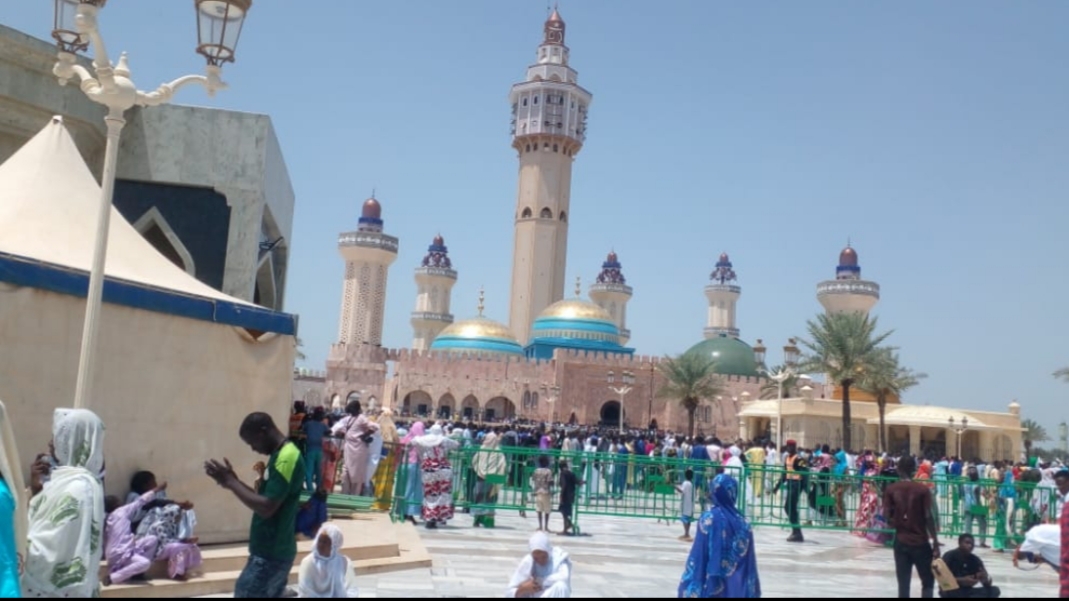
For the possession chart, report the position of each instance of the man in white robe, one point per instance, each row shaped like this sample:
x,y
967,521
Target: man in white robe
x,y
544,573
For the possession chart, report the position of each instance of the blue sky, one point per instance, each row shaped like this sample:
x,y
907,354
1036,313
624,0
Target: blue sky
x,y
934,135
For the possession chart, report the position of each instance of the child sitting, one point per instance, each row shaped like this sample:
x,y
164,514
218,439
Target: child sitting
x,y
326,573
128,556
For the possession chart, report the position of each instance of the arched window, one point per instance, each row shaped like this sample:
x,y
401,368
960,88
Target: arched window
x,y
527,213
556,148
564,217
546,213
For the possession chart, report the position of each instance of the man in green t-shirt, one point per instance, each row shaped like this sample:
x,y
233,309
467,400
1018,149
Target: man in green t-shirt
x,y
274,503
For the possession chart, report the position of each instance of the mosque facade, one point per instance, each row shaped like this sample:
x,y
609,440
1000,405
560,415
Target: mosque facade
x,y
557,358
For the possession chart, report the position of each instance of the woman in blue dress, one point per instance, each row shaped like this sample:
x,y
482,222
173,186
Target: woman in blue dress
x,y
722,562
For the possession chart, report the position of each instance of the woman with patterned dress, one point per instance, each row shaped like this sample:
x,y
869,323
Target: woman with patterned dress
x,y
869,516
437,475
67,514
722,562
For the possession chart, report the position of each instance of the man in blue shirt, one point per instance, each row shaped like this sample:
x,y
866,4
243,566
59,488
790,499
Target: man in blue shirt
x,y
314,431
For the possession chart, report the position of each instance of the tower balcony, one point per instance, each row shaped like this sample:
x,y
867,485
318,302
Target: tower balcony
x,y
435,317
436,272
374,240
623,289
848,287
723,289
718,332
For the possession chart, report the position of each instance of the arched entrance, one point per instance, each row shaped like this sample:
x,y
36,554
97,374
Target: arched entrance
x,y
469,408
416,402
610,414
499,408
446,405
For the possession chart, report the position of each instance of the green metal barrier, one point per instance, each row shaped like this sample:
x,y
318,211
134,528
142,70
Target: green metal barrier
x,y
643,487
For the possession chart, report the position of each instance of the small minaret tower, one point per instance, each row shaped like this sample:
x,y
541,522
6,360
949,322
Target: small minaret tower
x,y
549,113
368,254
723,294
434,280
611,292
848,292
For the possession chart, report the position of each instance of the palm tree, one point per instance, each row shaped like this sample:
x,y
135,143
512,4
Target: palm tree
x,y
1033,432
843,346
885,378
689,378
770,389
1062,374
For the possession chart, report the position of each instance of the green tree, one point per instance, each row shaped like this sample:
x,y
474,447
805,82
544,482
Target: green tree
x,y
1032,432
689,378
883,378
770,389
843,346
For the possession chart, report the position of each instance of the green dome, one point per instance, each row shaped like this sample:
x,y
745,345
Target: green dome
x,y
733,357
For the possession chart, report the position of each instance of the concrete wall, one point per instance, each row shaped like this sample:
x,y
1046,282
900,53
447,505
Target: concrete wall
x,y
169,421
30,96
239,156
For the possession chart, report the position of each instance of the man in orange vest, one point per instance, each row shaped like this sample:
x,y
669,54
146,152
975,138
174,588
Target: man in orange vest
x,y
794,472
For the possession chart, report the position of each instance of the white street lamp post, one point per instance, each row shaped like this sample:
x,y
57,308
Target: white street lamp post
x,y
628,379
780,377
959,431
219,25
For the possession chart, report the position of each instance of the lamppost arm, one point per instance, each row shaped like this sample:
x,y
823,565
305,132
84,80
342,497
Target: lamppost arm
x,y
163,94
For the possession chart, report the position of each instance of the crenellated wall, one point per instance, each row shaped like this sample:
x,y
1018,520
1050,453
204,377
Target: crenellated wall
x,y
572,384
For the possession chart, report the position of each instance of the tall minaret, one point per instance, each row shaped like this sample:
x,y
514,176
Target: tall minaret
x,y
434,280
723,294
549,112
611,292
368,254
848,292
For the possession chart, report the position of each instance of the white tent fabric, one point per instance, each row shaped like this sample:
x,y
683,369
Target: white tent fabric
x,y
48,212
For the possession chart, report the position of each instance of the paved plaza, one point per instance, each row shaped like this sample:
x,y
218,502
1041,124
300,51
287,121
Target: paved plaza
x,y
640,558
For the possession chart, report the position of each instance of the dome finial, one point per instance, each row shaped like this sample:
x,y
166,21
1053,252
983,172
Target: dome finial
x,y
482,300
578,286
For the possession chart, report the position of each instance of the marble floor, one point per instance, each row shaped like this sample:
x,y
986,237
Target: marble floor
x,y
638,558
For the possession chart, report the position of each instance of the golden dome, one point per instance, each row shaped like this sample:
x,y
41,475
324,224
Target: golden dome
x,y
576,309
478,327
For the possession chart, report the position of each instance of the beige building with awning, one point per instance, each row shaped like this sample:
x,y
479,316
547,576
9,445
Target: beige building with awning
x,y
918,429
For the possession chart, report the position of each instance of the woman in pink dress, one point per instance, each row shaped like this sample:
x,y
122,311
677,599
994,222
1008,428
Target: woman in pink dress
x,y
357,431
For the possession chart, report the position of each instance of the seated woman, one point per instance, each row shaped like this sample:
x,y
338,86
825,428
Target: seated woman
x,y
722,563
128,556
144,482
544,573
326,573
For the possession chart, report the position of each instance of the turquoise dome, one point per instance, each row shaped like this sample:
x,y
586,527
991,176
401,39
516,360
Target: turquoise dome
x,y
578,320
574,324
478,336
733,357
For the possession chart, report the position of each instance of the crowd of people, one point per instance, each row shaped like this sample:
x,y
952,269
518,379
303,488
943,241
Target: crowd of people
x,y
54,534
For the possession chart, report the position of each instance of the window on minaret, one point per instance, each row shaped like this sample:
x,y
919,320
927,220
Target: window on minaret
x,y
535,100
524,102
547,214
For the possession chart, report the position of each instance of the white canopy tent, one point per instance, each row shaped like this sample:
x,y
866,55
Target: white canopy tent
x,y
181,364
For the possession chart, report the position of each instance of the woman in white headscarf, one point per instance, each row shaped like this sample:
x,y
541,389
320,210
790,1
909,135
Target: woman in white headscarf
x,y
489,462
326,573
544,573
437,472
12,511
66,521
